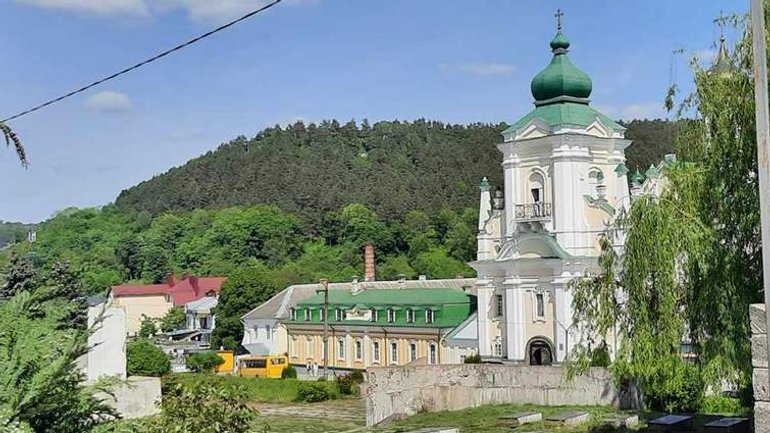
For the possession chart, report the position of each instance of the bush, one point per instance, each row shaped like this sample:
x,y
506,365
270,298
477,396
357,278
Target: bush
x,y
675,388
203,362
601,356
357,376
147,328
143,358
345,384
473,359
313,392
289,373
720,405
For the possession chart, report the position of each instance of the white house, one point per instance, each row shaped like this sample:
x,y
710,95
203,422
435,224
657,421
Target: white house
x,y
565,180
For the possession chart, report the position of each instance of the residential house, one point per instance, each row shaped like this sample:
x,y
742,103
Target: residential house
x,y
154,300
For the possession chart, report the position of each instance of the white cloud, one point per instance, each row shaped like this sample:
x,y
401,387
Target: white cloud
x,y
647,110
110,102
482,69
216,11
132,8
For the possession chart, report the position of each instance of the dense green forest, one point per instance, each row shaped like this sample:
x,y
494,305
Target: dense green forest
x,y
302,201
11,233
392,167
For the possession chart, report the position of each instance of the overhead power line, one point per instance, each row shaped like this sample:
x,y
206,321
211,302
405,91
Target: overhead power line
x,y
143,63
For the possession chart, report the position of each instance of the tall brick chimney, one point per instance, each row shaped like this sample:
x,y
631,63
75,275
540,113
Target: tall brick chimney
x,y
369,273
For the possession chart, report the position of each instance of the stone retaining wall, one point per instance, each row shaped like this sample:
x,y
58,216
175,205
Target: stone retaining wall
x,y
402,391
759,362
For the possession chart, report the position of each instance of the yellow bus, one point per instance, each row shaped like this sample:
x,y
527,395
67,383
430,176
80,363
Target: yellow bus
x,y
262,366
229,365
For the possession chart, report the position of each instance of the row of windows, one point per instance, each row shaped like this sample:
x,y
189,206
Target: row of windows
x,y
358,349
539,305
341,314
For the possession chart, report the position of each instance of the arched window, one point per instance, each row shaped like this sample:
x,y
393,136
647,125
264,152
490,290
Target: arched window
x,y
359,350
537,187
376,351
394,352
341,348
412,351
432,353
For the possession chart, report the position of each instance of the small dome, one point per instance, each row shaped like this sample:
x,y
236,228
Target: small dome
x,y
561,77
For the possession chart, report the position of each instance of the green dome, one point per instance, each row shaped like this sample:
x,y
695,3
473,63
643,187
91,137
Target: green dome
x,y
561,78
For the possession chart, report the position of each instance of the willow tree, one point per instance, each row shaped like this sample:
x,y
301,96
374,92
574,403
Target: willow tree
x,y
11,139
692,260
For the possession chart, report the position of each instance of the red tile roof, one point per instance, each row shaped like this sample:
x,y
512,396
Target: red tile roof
x,y
181,291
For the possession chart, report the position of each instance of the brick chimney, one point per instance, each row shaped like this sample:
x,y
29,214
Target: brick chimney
x,y
194,283
369,272
171,279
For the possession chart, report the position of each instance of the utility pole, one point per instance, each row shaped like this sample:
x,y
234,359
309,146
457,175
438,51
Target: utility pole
x,y
763,142
325,284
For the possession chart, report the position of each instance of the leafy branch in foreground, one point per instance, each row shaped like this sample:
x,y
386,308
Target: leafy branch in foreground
x,y
11,139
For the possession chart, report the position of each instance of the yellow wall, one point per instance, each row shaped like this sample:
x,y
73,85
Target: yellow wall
x,y
300,355
154,307
538,327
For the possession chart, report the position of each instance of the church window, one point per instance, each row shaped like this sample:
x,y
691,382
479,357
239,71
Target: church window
x,y
293,314
307,314
391,315
498,349
432,353
540,305
322,314
376,351
309,347
409,315
412,351
341,348
375,315
499,305
394,353
359,350
293,347
429,315
537,187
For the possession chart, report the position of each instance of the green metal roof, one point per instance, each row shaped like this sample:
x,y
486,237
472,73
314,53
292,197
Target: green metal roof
x,y
637,178
385,298
565,113
621,169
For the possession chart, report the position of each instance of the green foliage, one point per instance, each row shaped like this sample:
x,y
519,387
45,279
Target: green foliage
x,y
246,288
357,376
473,359
147,328
720,405
40,384
601,356
20,276
313,392
174,319
676,386
345,384
289,373
203,362
143,358
201,407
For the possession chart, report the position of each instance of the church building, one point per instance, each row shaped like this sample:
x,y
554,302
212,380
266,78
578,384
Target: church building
x,y
565,181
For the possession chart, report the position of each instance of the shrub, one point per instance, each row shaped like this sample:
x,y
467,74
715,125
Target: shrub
x,y
289,373
601,356
473,359
173,320
345,384
357,376
147,328
675,388
717,404
203,362
143,358
313,392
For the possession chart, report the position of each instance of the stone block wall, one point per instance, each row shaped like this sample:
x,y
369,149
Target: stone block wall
x,y
402,391
759,357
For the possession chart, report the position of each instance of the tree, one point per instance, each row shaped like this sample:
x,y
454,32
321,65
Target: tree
x,y
244,290
147,328
143,358
19,277
203,362
173,319
40,384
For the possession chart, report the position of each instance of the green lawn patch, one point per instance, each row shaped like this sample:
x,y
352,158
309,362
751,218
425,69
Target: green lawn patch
x,y
258,390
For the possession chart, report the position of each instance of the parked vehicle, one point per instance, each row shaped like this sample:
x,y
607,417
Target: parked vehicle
x,y
269,366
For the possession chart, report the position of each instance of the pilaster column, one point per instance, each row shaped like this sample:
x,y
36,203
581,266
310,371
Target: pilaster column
x,y
484,298
515,326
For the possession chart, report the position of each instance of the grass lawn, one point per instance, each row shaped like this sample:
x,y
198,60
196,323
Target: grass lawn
x,y
258,390
486,419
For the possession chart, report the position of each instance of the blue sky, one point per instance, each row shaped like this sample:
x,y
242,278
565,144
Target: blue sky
x,y
450,60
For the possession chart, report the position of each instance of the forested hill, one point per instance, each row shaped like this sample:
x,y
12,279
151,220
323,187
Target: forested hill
x,y
392,167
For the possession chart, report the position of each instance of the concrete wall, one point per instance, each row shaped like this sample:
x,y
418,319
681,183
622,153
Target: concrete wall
x,y
759,357
408,390
136,398
107,345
